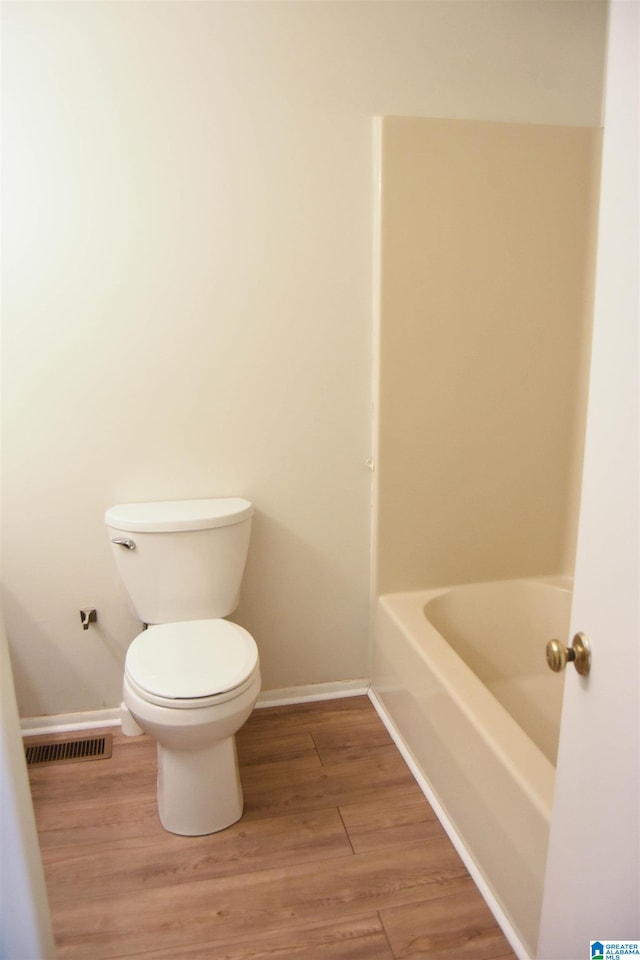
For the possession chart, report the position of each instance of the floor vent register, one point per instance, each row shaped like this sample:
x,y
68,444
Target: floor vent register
x,y
42,751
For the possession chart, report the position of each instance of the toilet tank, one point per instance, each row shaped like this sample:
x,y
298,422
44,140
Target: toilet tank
x,y
181,559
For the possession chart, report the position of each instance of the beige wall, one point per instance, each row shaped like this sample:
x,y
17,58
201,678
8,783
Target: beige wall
x,y
487,262
187,290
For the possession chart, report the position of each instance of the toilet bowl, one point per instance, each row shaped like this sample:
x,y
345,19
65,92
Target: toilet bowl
x,y
192,678
191,686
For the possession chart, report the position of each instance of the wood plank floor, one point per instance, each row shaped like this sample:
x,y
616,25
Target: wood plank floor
x,y
338,855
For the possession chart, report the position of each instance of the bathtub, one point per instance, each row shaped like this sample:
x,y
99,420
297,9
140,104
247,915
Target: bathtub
x,y
461,676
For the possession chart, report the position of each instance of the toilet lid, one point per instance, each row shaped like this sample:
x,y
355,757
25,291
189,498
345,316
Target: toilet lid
x,y
194,658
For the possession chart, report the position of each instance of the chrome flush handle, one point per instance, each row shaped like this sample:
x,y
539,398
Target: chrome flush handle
x,y
129,544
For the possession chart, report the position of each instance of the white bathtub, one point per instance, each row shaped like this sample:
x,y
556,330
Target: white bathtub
x,y
461,674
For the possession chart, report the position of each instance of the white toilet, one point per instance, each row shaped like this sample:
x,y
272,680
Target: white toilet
x,y
191,679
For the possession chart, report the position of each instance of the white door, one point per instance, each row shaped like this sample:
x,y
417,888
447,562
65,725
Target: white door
x,y
592,889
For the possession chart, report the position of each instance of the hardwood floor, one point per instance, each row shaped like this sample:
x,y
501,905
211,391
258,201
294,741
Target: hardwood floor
x,y
338,855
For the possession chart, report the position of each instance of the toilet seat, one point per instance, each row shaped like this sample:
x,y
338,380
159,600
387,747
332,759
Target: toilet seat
x,y
193,663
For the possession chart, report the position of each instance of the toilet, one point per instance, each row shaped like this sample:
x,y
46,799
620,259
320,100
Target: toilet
x,y
191,678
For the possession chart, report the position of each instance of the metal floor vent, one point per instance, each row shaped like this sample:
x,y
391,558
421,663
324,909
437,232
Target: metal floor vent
x,y
68,751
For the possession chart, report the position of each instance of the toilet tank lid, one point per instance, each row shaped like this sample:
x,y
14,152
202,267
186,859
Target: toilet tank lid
x,y
167,515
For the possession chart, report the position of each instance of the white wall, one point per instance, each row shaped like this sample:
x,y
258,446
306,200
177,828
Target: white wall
x,y
187,290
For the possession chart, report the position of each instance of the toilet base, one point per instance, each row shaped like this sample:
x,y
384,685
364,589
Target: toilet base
x,y
199,791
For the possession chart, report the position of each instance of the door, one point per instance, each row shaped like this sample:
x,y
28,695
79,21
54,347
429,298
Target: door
x,y
25,922
592,889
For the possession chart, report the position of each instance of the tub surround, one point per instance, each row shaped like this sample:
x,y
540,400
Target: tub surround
x,y
486,264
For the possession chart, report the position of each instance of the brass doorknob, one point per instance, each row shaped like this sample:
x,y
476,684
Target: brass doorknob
x,y
579,654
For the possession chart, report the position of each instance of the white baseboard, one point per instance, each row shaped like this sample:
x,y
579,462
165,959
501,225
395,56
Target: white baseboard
x,y
91,719
67,722
334,690
518,947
